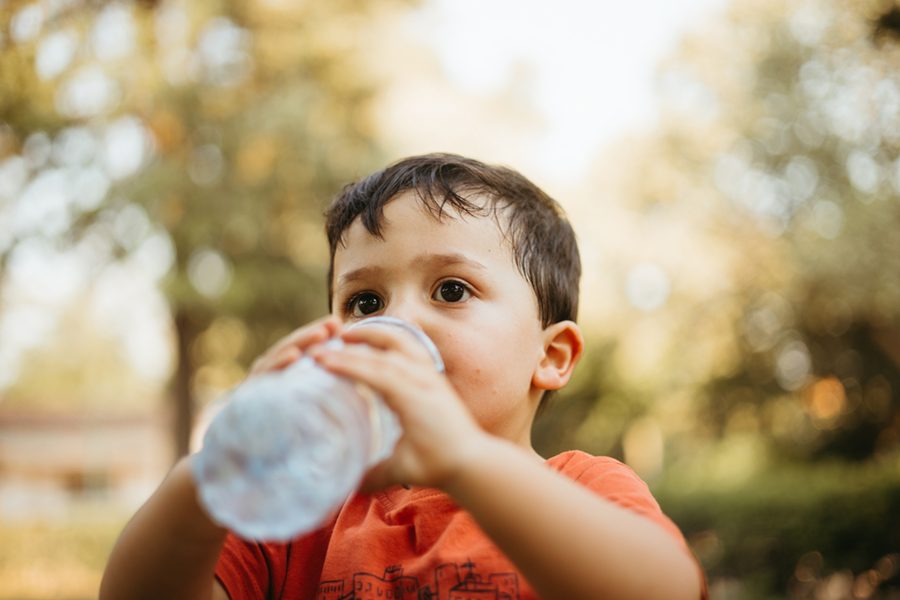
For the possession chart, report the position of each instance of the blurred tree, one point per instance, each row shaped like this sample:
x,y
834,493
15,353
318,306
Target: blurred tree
x,y
761,396
805,103
210,134
778,146
778,149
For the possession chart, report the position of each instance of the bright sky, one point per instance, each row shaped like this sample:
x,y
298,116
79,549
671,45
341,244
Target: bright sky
x,y
594,61
591,68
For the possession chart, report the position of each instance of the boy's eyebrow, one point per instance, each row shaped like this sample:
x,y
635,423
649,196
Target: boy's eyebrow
x,y
437,260
449,259
356,274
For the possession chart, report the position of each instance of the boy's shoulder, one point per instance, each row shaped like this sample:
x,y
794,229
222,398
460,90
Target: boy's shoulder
x,y
576,463
616,482
606,476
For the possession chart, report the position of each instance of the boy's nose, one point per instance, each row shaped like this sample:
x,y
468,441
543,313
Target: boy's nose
x,y
409,310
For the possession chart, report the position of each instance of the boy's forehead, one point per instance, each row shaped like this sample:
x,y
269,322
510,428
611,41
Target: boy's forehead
x,y
407,220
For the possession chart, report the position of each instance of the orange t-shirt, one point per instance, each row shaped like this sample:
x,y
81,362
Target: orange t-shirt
x,y
402,544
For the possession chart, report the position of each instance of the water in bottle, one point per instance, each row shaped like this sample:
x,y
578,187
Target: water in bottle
x,y
290,446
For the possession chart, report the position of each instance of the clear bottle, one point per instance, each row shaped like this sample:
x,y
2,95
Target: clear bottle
x,y
289,447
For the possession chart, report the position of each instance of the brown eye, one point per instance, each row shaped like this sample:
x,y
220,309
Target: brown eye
x,y
452,291
364,304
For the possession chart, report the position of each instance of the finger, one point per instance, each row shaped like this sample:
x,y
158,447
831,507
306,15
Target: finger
x,y
275,362
381,371
312,333
291,347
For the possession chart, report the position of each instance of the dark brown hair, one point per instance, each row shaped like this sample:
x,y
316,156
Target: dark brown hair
x,y
543,243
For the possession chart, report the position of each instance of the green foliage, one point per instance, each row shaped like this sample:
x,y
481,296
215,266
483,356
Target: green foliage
x,y
760,531
765,419
810,155
790,157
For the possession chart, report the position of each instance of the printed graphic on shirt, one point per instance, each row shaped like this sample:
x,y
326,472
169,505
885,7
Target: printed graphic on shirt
x,y
451,582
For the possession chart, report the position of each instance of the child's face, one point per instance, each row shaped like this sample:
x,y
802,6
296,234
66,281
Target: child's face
x,y
456,280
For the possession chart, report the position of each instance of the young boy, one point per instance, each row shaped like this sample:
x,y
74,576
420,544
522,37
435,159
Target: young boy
x,y
486,264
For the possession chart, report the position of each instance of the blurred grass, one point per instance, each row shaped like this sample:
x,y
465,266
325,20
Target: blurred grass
x,y
55,560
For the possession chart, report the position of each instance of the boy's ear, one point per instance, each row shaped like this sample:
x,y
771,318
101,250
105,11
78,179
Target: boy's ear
x,y
563,346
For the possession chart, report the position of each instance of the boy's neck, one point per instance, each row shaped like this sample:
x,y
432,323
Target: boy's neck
x,y
521,438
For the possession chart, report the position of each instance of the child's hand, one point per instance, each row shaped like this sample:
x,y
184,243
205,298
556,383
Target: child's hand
x,y
294,345
439,433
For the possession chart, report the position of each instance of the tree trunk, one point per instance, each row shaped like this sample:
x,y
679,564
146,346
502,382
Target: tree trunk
x,y
888,341
183,409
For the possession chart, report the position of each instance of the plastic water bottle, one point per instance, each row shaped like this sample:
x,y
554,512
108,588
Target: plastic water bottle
x,y
289,447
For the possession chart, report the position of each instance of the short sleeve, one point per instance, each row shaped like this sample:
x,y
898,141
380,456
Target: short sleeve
x,y
246,569
617,483
258,571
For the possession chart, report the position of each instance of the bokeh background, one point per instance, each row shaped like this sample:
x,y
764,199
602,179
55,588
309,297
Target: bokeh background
x,y
730,166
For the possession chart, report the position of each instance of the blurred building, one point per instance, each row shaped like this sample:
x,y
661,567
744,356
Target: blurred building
x,y
52,466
